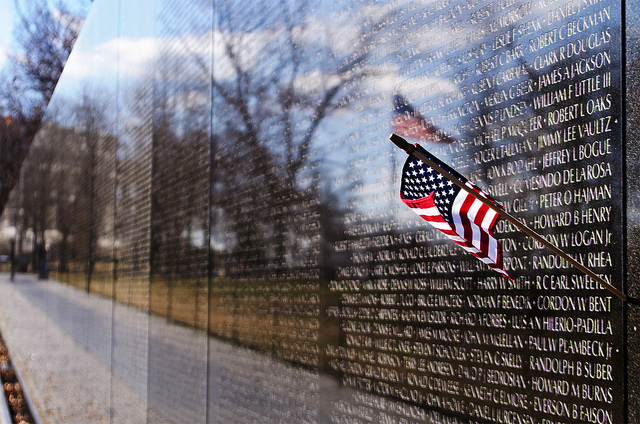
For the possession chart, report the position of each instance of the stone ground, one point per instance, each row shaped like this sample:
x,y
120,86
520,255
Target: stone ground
x,y
65,382
85,359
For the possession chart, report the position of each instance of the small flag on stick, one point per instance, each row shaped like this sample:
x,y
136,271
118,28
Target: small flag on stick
x,y
468,226
458,214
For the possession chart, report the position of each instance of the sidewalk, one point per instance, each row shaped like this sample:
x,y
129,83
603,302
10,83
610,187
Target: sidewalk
x,y
86,359
65,382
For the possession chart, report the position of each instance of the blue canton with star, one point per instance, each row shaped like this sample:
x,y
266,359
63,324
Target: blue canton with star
x,y
420,180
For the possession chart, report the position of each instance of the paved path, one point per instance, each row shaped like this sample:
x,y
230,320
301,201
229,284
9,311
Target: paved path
x,y
66,383
87,359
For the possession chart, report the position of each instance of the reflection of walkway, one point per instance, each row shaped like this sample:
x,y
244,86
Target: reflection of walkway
x,y
84,357
67,383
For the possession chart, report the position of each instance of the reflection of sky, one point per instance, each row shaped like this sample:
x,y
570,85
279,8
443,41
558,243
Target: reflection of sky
x,y
6,25
406,59
7,18
403,61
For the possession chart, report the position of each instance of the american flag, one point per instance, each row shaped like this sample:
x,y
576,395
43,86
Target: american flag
x,y
408,122
462,217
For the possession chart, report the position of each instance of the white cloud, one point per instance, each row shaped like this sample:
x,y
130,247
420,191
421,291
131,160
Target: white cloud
x,y
130,57
3,56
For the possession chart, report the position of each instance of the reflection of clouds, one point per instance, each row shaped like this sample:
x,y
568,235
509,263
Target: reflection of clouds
x,y
313,81
4,52
134,56
388,80
335,34
381,31
246,45
188,100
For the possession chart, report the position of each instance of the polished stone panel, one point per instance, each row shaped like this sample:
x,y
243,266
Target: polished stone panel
x,y
226,169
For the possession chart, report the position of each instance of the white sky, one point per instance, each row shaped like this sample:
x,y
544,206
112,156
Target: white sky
x,y
6,24
7,15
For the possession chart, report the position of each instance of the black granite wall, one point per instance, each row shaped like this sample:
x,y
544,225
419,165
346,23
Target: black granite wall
x,y
225,167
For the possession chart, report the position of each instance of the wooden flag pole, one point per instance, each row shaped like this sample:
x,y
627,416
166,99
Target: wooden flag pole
x,y
411,150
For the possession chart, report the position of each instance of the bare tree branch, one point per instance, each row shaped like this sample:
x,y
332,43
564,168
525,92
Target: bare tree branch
x,y
45,37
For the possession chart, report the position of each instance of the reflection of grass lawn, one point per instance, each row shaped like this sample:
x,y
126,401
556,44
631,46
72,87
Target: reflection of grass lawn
x,y
182,300
100,284
133,290
282,318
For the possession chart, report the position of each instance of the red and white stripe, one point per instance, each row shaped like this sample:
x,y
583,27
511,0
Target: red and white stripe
x,y
471,229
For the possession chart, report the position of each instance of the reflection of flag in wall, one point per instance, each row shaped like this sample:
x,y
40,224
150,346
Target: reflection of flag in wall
x,y
407,122
463,218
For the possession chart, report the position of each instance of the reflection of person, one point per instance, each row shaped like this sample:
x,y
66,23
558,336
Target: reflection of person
x,y
43,267
12,258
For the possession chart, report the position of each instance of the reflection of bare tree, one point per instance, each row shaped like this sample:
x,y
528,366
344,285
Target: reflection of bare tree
x,y
37,194
15,139
93,178
180,171
274,85
275,81
65,194
45,38
179,199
